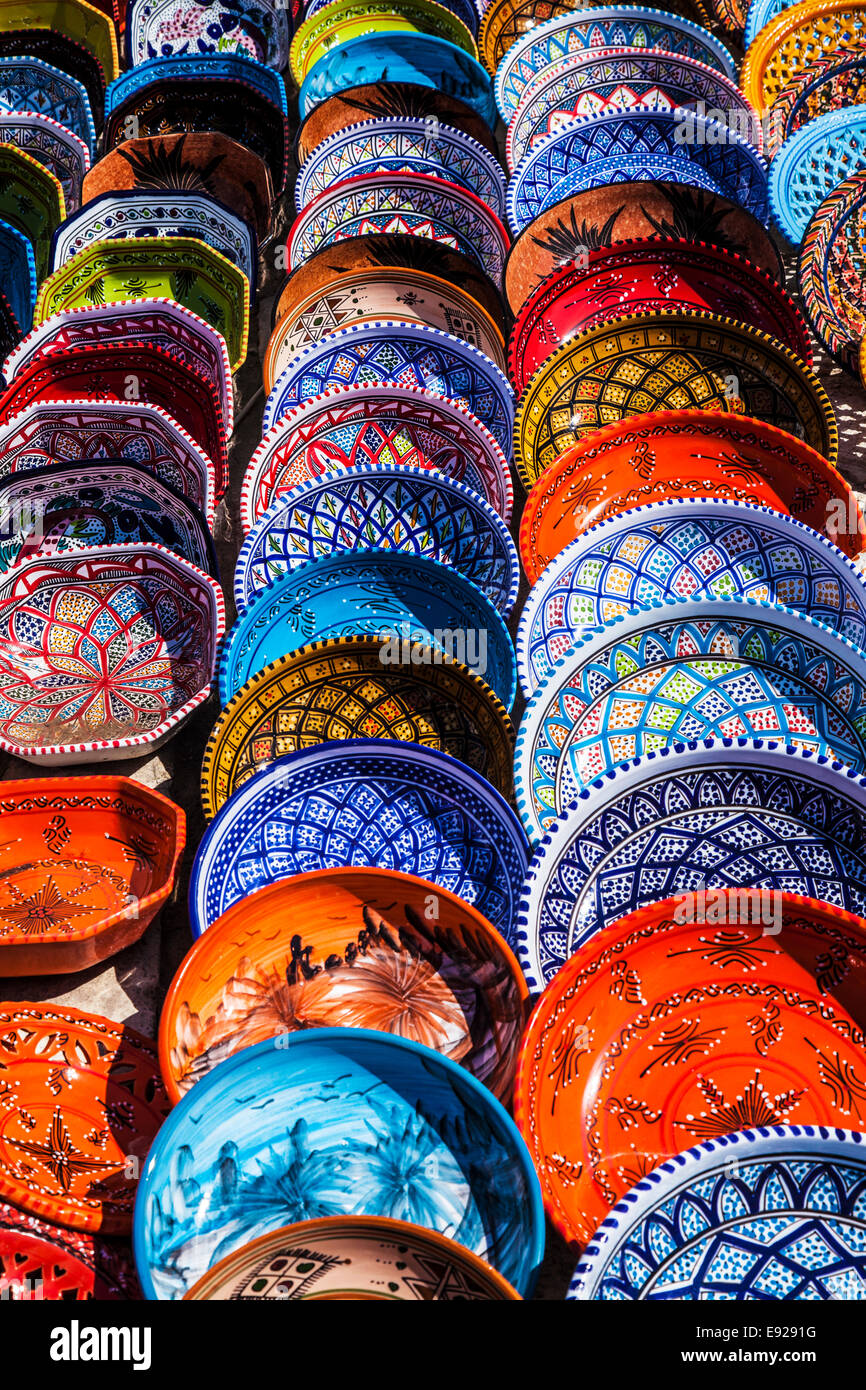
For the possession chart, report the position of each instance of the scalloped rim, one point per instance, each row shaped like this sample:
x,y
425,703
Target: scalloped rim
x,y
772,35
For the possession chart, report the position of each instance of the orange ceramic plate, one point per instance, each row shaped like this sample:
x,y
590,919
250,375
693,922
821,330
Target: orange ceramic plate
x,y
353,947
687,453
682,1022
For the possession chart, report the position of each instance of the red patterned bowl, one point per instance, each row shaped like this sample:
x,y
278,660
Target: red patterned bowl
x,y
41,1261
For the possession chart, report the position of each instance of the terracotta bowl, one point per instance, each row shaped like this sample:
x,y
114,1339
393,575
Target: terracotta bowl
x,y
387,99
87,862
403,956
41,1260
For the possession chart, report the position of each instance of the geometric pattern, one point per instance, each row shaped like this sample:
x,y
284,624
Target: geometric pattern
x,y
48,1262
812,163
202,67
29,84
831,274
829,83
788,44
55,147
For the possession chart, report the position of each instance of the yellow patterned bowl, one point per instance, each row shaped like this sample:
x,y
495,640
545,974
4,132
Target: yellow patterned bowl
x,y
794,39
350,19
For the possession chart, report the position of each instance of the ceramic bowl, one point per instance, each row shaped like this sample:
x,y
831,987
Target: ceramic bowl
x,y
372,424
31,84
672,360
55,48
356,687
383,101
198,67
403,354
505,22
649,276
684,454
18,274
811,164
365,592
775,986
705,815
784,1181
160,28
382,506
84,432
758,14
340,21
465,10
829,82
88,863
32,202
75,21
413,204
364,802
128,634
678,672
65,1149
792,40
450,983
41,1260
357,1258
683,548
10,329
63,154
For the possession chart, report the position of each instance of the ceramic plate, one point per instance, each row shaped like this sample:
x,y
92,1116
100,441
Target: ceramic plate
x,y
680,671
829,273
447,981
371,423
774,1213
828,83
339,21
32,202
353,1257
31,84
506,21
673,360
384,100
103,651
409,510
63,154
217,68
83,1096
465,10
57,49
40,1260
792,40
401,354
811,164
84,24
678,1022
684,454
685,548
365,802
159,28
761,816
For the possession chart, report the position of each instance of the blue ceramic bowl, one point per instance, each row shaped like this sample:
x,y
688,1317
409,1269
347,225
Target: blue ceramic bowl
x,y
364,802
18,274
401,353
190,67
421,60
367,593
335,1120
30,84
406,510
759,14
811,163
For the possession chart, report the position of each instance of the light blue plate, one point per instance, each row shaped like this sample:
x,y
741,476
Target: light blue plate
x,y
759,14
811,163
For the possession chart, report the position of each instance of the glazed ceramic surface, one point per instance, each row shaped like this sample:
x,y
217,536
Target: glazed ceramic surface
x,y
61,152
811,164
74,20
31,84
681,819
18,274
792,40
778,1217
741,1026
465,10
646,277
340,21
505,22
161,28
383,101
409,510
191,67
41,1260
686,548
829,273
449,982
353,1257
670,360
829,82
759,14
398,354
681,671
103,651
642,143
367,802
32,202
83,1095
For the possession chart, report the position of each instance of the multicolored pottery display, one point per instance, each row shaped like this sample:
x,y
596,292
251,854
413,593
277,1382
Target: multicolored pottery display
x,y
159,28
340,21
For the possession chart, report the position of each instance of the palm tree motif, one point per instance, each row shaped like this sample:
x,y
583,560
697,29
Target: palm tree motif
x,y
165,166
752,1109
686,1039
695,216
567,241
59,1155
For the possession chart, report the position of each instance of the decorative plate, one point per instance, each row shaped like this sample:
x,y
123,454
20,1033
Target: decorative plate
x,y
87,864
340,21
687,818
365,802
85,25
364,1106
616,26
708,547
591,82
465,10
405,598
87,431
678,672
103,651
18,274
384,100
216,68
830,82
31,201
693,1015
162,376
791,41
162,28
63,154
646,277
684,454
759,14
403,145
387,506
641,143
369,296
414,204
31,84
505,22
353,1257
346,948
774,1213
356,687
672,360
414,59
152,267
631,211
62,506
39,1260
82,1097
812,163
131,213
206,160
397,354
830,280
373,424
159,323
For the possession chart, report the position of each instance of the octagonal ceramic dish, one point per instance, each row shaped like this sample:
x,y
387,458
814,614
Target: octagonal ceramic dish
x,y
31,84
